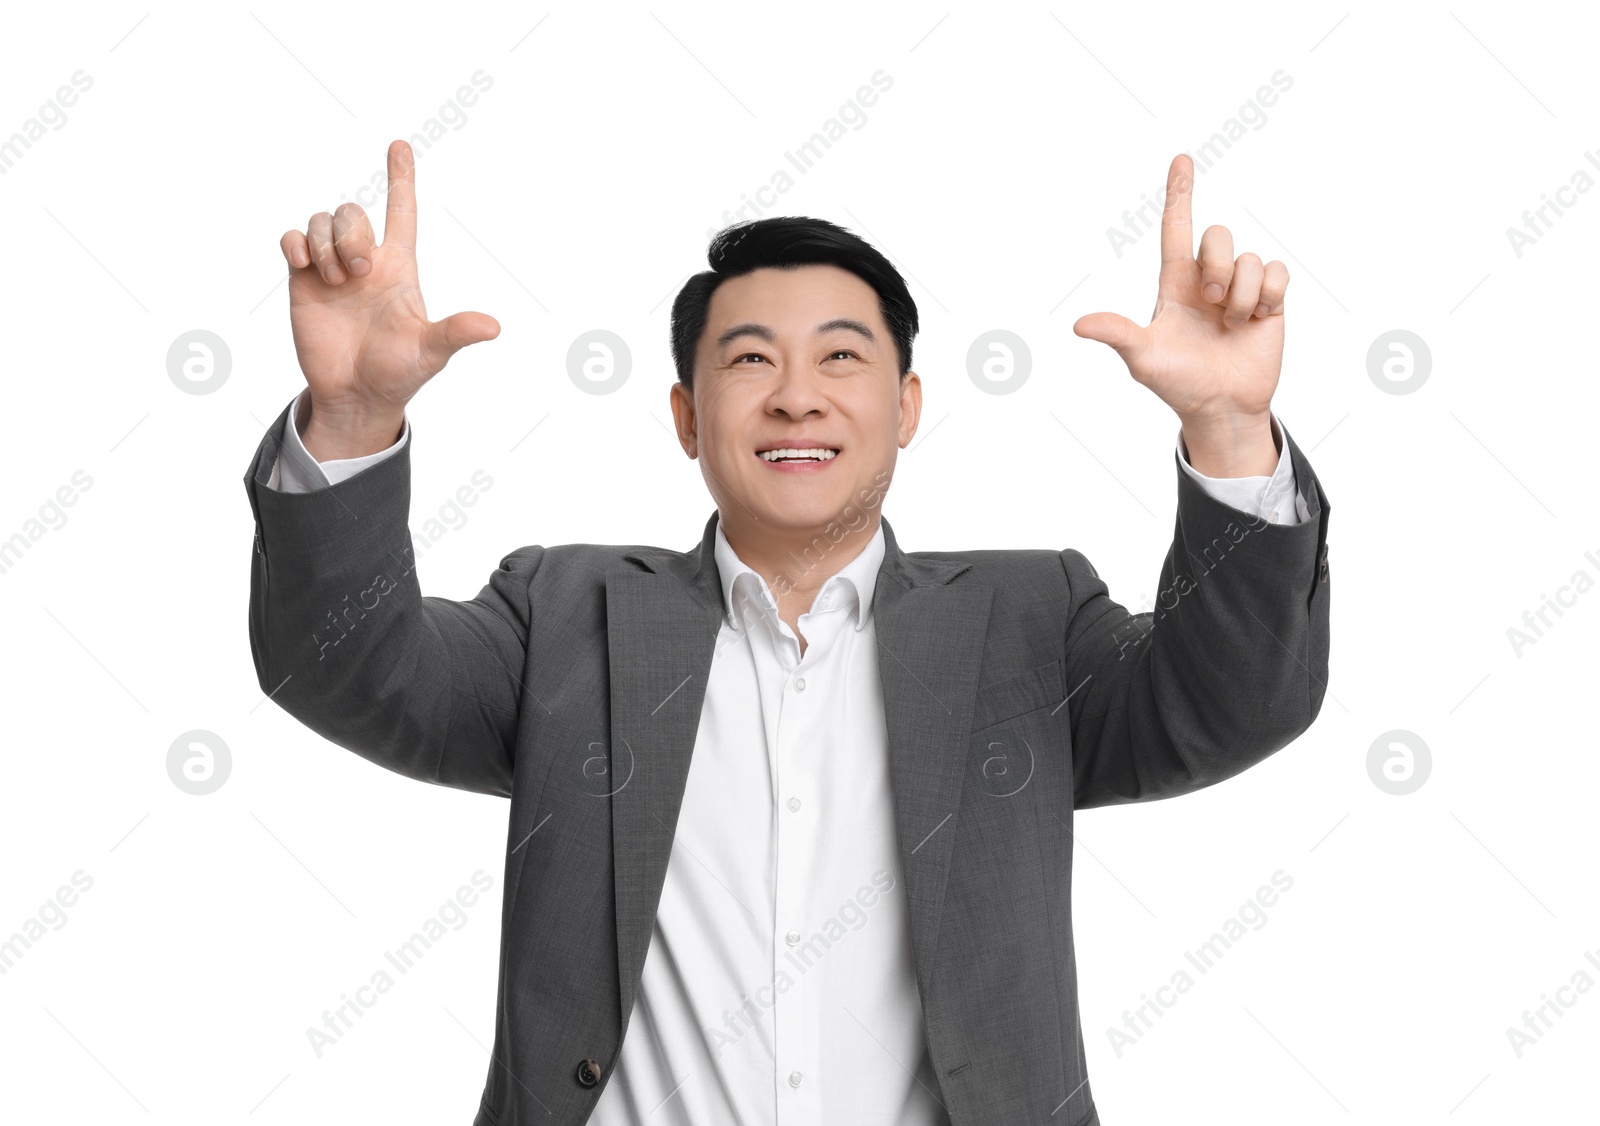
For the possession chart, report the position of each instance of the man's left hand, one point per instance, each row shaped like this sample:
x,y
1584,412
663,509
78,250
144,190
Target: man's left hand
x,y
1213,349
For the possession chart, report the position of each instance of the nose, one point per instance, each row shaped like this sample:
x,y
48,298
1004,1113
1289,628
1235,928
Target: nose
x,y
797,392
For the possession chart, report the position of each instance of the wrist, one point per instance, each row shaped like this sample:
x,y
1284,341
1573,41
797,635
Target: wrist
x,y
1236,445
338,432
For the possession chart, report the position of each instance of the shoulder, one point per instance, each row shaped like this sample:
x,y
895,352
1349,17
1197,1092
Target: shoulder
x,y
1030,584
585,562
1002,567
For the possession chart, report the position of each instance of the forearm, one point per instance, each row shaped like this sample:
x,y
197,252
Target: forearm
x,y
344,640
1229,666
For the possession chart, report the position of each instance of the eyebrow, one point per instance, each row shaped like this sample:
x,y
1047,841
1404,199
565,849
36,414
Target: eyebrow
x,y
750,328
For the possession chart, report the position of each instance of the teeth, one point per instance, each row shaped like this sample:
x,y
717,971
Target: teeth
x,y
814,454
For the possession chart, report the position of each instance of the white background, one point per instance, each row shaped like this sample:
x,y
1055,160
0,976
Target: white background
x,y
578,194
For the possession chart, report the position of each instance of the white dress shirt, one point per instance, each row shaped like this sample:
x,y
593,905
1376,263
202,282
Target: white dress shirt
x,y
778,987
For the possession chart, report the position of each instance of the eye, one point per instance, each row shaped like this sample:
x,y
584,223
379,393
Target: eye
x,y
747,355
843,352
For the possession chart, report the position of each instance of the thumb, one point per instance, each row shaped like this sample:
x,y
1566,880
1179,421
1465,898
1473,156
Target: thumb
x,y
1112,329
445,338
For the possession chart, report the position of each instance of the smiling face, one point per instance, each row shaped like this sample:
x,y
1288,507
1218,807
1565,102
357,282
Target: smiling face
x,y
797,361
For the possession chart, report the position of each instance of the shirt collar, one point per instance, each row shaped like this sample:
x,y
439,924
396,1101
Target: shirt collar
x,y
851,586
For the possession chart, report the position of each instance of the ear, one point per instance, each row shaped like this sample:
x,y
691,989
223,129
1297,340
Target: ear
x,y
910,407
681,400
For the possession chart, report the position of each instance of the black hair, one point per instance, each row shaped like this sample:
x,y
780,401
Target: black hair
x,y
784,242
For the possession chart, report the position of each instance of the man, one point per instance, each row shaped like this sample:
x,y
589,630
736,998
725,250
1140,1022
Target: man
x,y
792,809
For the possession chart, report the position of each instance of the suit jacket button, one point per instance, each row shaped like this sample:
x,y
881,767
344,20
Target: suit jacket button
x,y
588,1072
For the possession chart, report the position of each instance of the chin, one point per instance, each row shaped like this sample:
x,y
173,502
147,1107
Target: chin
x,y
810,512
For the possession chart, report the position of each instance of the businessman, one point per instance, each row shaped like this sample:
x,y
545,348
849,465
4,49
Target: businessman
x,y
790,833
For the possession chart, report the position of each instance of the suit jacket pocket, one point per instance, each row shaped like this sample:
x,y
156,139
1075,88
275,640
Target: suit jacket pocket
x,y
1013,696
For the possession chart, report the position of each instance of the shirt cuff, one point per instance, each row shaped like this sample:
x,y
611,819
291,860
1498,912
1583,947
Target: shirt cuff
x,y
1275,499
296,471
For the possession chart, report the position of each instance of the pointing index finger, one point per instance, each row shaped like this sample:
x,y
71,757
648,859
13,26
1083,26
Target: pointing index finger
x,y
1177,225
400,219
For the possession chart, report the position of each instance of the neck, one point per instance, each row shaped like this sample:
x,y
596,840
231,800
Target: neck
x,y
795,563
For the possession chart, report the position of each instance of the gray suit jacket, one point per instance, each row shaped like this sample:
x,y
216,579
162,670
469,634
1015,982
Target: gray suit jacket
x,y
1015,690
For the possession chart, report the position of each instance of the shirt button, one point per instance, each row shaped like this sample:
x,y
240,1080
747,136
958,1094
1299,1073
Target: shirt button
x,y
800,684
792,938
794,803
1272,518
794,1078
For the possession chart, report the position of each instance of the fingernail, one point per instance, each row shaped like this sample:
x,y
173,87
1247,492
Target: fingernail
x,y
1213,292
1262,310
1232,322
358,266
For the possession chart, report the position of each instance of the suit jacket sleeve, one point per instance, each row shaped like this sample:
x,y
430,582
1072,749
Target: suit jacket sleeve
x,y
1230,665
344,641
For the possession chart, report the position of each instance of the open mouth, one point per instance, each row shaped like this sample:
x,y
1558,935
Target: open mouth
x,y
788,455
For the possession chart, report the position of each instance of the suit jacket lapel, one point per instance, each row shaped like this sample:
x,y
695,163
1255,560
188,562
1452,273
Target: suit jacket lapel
x,y
930,638
662,625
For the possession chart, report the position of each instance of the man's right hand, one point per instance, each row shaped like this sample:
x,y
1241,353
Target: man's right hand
x,y
361,332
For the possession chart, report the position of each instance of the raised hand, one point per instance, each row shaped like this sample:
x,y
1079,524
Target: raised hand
x,y
361,331
1213,349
